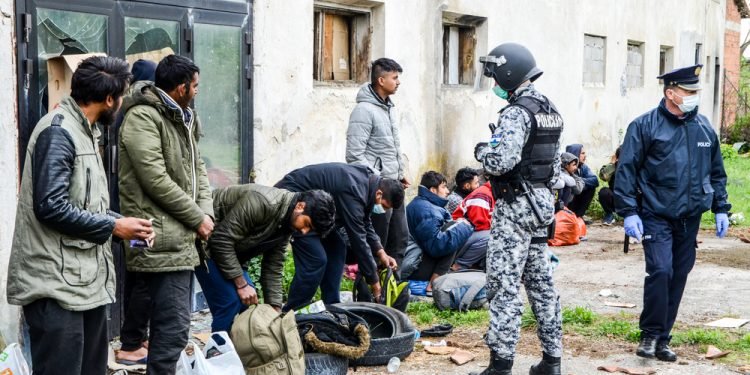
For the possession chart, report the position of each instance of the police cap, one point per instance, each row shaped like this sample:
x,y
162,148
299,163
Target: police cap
x,y
686,78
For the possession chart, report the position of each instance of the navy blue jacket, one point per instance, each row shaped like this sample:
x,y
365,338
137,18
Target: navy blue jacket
x,y
590,180
425,216
353,190
675,163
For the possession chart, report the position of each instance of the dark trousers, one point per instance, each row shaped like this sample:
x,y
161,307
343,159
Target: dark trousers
x,y
65,342
221,295
431,265
581,202
607,200
669,247
170,319
137,311
474,251
393,231
317,262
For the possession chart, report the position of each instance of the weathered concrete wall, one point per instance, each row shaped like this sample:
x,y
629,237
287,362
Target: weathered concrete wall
x,y
8,161
731,63
298,121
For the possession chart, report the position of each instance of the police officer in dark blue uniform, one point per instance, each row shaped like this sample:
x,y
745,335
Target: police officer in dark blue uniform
x,y
670,171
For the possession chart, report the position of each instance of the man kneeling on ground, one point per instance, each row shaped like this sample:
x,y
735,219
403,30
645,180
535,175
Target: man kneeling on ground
x,y
427,221
255,220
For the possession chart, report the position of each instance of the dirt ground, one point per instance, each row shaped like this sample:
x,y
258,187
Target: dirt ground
x,y
717,287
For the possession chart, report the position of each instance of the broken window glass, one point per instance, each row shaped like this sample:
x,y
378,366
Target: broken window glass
x,y
150,39
66,33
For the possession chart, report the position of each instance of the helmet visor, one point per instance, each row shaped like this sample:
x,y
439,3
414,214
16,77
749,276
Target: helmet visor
x,y
485,77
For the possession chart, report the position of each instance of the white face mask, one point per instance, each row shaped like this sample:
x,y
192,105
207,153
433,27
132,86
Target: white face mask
x,y
689,102
378,209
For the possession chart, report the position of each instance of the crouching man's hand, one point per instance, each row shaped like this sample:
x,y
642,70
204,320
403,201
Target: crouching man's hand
x,y
386,260
245,291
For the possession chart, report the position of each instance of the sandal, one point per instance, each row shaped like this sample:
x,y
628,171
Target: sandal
x,y
439,330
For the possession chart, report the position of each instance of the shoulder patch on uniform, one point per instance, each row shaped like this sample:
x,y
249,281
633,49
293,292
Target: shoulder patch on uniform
x,y
57,120
494,140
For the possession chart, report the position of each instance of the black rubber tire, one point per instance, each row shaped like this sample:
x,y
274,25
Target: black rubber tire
x,y
400,345
401,320
324,364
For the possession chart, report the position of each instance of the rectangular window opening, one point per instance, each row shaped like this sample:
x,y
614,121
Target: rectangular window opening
x,y
698,53
459,54
594,60
341,49
634,66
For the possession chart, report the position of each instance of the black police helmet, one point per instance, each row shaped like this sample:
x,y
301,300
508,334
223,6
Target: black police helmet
x,y
510,65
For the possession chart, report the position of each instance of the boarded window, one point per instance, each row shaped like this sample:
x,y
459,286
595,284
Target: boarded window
x,y
594,59
342,45
634,66
459,46
666,59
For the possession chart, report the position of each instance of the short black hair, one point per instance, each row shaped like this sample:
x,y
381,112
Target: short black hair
x,y
463,176
320,207
381,66
668,87
173,71
432,179
617,152
393,192
98,77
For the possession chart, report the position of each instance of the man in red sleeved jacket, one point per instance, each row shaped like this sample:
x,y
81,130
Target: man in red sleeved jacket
x,y
477,208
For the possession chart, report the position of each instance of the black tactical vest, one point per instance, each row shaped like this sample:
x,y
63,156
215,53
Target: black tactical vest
x,y
538,155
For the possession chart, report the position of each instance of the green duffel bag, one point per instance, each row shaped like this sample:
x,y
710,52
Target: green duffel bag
x,y
268,342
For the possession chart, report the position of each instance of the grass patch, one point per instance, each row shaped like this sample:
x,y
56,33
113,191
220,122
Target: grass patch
x,y
426,314
699,336
619,329
577,315
739,196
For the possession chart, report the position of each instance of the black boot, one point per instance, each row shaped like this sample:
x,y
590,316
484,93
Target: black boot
x,y
647,347
498,366
549,365
663,352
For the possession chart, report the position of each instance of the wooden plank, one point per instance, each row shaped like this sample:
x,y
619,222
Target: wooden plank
x,y
446,52
327,70
361,48
467,46
317,46
340,56
453,56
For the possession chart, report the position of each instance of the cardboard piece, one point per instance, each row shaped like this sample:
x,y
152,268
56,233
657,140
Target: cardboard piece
x,y
713,352
60,74
619,304
728,323
462,357
203,337
340,49
440,350
155,55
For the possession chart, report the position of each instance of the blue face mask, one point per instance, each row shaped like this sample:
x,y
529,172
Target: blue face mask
x,y
378,209
502,94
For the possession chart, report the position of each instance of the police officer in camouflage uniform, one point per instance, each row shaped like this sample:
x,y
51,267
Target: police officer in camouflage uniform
x,y
523,158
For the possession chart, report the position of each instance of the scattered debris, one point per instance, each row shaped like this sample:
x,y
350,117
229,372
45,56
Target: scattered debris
x,y
464,345
440,350
462,357
713,352
202,336
606,293
619,304
728,323
744,369
427,343
628,370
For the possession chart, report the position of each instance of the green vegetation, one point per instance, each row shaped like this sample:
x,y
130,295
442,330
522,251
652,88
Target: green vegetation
x,y
426,314
737,181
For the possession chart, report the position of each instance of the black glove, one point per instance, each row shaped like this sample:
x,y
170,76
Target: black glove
x,y
479,147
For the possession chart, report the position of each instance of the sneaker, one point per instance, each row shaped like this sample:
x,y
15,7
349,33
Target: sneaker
x,y
647,347
609,219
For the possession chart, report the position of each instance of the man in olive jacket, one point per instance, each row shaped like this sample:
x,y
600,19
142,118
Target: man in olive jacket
x,y
254,220
61,269
163,178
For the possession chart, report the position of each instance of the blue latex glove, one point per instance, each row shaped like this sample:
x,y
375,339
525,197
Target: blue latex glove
x,y
634,227
722,224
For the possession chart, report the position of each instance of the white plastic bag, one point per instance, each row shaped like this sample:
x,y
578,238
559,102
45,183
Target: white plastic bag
x,y
12,361
226,363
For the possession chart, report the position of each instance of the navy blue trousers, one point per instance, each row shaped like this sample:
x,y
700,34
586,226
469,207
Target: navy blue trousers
x,y
221,295
318,262
669,247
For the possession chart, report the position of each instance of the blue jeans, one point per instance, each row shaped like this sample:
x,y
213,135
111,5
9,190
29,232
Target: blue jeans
x,y
317,262
221,295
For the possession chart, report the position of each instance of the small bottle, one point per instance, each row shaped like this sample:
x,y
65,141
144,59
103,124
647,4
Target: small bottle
x,y
393,364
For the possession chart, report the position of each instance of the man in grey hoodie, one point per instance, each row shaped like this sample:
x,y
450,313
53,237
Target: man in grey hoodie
x,y
372,139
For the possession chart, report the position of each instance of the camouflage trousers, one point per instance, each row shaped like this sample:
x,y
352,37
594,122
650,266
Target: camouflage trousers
x,y
512,259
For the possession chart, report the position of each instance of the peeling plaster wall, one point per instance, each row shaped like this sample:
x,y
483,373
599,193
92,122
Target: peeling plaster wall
x,y
8,161
298,121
